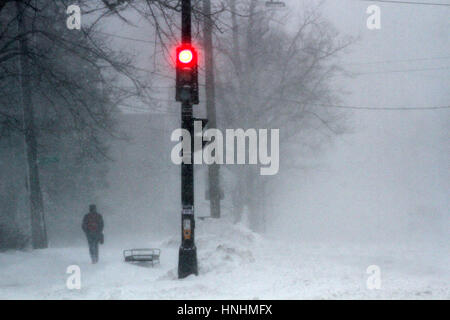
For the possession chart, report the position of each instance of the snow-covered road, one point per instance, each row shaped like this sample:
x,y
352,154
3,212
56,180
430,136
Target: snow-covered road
x,y
234,263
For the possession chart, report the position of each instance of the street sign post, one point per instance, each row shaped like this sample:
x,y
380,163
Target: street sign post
x,y
187,94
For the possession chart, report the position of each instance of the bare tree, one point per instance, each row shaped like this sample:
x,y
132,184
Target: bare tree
x,y
276,80
69,85
38,228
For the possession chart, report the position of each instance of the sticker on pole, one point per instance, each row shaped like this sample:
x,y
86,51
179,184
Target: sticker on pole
x,y
188,210
187,231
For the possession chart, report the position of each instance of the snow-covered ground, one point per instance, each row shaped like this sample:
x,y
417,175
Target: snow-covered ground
x,y
234,263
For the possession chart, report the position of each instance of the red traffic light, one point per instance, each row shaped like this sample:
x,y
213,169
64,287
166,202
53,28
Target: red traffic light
x,y
186,56
187,74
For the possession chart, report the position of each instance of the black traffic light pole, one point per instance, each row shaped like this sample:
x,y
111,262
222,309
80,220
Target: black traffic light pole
x,y
187,259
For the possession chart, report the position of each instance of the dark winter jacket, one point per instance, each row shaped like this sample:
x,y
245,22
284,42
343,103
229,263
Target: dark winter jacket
x,y
92,225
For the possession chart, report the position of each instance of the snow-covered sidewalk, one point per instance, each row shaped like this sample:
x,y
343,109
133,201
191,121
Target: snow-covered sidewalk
x,y
234,263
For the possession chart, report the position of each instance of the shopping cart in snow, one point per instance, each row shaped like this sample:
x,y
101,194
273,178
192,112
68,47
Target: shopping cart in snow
x,y
142,255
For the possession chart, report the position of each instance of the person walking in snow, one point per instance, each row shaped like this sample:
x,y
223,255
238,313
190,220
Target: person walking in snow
x,y
93,228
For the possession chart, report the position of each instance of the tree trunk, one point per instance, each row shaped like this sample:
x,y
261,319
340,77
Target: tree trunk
x,y
38,228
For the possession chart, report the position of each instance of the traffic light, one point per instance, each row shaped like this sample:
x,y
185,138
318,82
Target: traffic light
x,y
187,74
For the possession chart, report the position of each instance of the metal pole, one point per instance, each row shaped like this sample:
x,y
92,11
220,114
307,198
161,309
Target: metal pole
x,y
187,259
213,170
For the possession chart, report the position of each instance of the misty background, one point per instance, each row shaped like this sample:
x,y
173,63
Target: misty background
x,y
386,179
375,176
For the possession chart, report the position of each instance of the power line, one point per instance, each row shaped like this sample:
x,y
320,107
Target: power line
x,y
395,61
350,107
411,2
384,108
148,110
404,70
356,107
125,38
153,72
138,110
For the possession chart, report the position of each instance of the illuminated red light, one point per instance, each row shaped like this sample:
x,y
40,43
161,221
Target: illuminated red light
x,y
185,56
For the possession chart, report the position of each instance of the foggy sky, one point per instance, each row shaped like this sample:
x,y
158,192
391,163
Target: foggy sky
x,y
393,164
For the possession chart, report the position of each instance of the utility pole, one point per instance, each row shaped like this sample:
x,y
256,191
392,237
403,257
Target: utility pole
x,y
213,170
38,229
187,94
